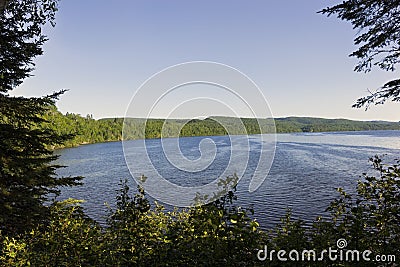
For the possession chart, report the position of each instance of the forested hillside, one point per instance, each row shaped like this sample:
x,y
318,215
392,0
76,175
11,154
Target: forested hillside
x,y
88,130
305,124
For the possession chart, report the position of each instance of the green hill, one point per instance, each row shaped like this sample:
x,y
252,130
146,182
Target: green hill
x,y
88,130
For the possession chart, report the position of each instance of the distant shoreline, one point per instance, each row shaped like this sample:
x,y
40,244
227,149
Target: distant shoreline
x,y
281,133
87,130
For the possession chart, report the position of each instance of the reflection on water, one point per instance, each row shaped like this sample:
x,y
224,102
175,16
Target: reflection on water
x,y
307,169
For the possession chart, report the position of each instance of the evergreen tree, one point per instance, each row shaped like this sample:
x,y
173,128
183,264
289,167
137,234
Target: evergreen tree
x,y
377,23
27,174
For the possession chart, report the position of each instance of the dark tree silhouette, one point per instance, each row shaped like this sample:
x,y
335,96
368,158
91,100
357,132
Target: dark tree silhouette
x,y
27,175
378,26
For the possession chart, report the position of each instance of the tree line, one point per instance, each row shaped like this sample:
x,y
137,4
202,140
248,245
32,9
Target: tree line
x,y
86,130
38,231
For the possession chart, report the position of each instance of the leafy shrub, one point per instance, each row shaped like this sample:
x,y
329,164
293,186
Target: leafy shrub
x,y
70,239
217,234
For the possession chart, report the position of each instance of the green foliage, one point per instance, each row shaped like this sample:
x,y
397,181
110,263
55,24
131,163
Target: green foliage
x,y
70,239
84,130
369,220
372,218
378,40
21,38
217,234
87,130
133,234
13,252
305,124
27,176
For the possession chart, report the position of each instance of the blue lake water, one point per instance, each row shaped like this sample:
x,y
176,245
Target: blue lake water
x,y
306,170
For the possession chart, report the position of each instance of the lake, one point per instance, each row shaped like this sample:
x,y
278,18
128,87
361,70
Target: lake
x,y
306,170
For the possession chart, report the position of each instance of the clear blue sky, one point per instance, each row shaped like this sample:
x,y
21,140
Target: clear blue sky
x,y
102,51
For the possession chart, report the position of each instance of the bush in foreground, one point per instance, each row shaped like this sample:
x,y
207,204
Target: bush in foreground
x,y
216,234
